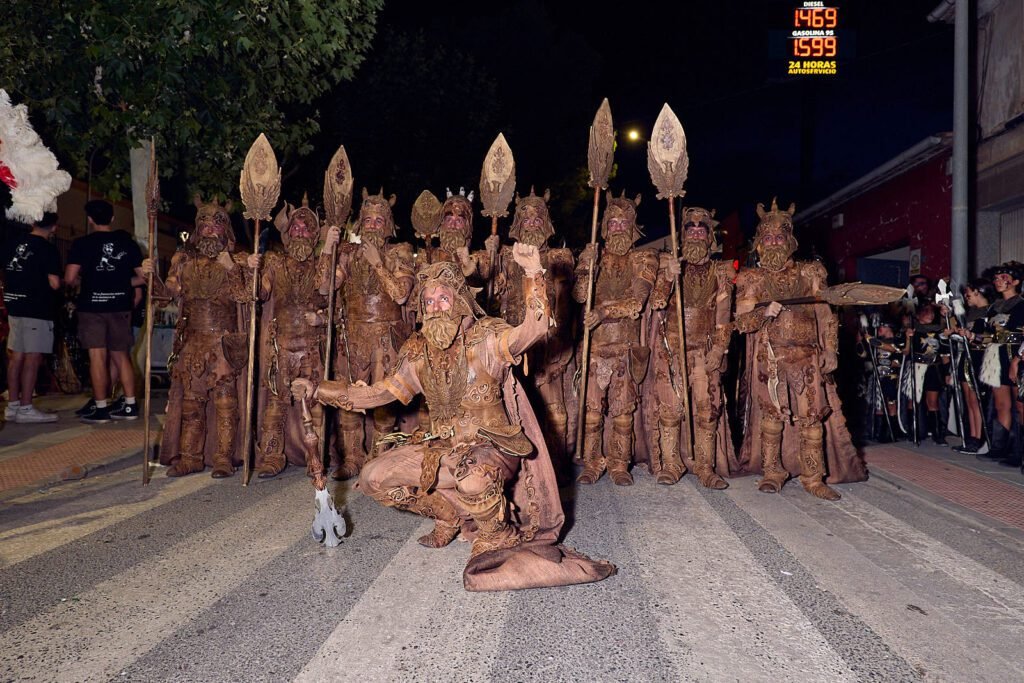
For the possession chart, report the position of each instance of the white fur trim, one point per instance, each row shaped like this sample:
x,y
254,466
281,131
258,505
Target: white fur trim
x,y
920,369
991,369
39,180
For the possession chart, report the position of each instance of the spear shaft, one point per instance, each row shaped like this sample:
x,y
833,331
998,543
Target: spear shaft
x,y
151,209
582,412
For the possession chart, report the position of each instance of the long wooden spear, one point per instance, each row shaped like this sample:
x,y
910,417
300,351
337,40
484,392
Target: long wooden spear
x,y
337,207
260,186
668,164
497,185
152,207
600,155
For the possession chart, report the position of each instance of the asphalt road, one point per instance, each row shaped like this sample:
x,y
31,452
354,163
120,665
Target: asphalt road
x,y
201,580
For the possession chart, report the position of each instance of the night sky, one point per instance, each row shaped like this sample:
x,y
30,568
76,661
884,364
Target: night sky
x,y
438,86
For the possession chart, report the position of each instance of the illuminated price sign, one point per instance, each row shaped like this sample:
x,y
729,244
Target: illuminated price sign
x,y
814,44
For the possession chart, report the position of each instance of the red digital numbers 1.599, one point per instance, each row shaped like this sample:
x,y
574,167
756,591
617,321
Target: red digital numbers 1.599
x,y
814,47
816,17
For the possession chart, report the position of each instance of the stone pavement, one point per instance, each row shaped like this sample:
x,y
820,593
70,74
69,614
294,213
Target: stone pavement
x,y
194,579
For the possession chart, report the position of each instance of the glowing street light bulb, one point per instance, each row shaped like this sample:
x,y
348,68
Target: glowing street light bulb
x,y
633,135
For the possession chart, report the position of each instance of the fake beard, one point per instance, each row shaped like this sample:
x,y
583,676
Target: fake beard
x,y
695,251
533,237
373,237
452,241
440,331
301,248
775,257
210,247
620,242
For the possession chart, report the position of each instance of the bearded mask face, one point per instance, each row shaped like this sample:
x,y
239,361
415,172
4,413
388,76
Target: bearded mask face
x,y
774,241
533,231
213,226
440,321
620,235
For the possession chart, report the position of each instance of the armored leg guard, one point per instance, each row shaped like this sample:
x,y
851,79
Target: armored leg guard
x,y
353,454
704,456
771,456
593,459
812,462
226,408
193,437
431,505
621,451
558,423
270,455
671,468
482,495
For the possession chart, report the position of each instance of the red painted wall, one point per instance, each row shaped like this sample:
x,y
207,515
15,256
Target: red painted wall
x,y
912,209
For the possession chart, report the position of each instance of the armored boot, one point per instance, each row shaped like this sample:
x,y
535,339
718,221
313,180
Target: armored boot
x,y
353,455
812,463
938,429
383,422
999,442
621,452
593,459
704,456
270,452
489,509
431,505
192,439
226,410
771,456
671,467
558,428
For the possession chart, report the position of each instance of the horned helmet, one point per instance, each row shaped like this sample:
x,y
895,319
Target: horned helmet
x,y
532,208
697,250
448,274
775,224
213,222
458,204
289,216
621,211
377,206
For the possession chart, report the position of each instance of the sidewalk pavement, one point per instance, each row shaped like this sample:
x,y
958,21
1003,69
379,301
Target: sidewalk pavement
x,y
34,455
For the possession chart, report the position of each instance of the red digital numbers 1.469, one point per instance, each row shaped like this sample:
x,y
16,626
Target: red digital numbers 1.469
x,y
815,17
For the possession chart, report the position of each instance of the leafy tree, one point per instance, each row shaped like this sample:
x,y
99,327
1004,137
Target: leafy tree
x,y
203,77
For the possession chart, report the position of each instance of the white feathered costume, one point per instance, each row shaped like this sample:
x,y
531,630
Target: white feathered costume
x,y
27,166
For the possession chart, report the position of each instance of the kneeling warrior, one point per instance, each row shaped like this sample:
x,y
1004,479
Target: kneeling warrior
x,y
707,313
791,352
484,446
207,283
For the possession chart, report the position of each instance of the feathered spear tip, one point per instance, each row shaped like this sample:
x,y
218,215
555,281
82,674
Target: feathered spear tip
x,y
27,166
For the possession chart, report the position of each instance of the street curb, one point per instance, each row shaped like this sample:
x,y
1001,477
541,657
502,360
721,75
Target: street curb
x,y
966,514
77,472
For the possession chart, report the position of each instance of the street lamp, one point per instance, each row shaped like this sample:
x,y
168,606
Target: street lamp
x,y
633,134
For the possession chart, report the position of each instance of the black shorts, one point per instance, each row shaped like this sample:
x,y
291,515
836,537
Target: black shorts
x,y
110,331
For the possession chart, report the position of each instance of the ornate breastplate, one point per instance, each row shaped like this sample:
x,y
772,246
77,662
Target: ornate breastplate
x,y
444,379
203,278
614,278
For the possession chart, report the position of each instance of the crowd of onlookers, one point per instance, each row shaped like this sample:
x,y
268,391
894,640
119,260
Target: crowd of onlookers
x,y
103,280
947,362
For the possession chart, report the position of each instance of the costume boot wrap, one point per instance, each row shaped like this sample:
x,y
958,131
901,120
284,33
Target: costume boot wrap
x,y
670,468
226,410
270,453
489,509
558,428
621,451
431,505
771,456
938,429
704,434
192,439
353,454
812,462
593,459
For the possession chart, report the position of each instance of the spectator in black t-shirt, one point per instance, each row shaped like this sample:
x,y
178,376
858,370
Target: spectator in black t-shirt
x,y
106,264
31,267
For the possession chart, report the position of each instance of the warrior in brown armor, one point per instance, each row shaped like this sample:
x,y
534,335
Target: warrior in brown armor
x,y
374,279
546,362
707,313
291,337
208,286
791,352
483,468
618,361
455,233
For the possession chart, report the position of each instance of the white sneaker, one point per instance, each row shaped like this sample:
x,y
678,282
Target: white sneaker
x,y
10,412
29,415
